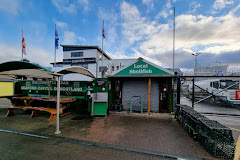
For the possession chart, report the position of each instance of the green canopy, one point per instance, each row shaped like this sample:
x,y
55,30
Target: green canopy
x,y
22,68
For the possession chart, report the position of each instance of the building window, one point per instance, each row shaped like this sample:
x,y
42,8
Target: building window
x,y
112,68
102,68
117,67
76,54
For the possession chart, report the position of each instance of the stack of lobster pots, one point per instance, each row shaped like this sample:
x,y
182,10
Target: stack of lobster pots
x,y
216,138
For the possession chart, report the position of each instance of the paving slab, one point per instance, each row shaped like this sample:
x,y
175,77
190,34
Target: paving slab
x,y
157,133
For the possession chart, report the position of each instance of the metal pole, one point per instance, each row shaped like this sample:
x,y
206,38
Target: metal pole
x,y
195,71
102,47
195,67
193,92
173,38
55,48
58,105
22,45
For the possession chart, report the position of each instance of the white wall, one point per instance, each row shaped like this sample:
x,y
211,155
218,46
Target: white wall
x,y
76,77
79,77
112,65
115,64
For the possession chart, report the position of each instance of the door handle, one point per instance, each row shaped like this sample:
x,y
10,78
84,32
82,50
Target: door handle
x,y
161,97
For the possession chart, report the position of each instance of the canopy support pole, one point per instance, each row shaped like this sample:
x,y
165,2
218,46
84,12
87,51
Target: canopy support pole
x,y
58,104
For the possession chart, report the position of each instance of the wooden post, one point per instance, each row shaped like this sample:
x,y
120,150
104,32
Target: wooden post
x,y
237,151
149,94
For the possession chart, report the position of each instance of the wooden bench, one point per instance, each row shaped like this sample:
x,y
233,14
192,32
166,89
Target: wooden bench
x,y
52,111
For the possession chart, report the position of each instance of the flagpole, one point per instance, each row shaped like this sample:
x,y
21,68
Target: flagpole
x,y
55,48
173,38
22,45
102,40
102,46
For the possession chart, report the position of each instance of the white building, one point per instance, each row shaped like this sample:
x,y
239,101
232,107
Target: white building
x,y
89,57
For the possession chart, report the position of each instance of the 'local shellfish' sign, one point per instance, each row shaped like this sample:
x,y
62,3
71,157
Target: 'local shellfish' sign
x,y
142,68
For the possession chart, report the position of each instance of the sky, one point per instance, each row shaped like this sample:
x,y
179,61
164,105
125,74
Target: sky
x,y
133,28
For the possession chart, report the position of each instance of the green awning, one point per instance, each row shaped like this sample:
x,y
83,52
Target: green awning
x,y
22,68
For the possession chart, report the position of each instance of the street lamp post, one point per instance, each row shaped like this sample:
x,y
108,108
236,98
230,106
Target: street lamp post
x,y
195,68
195,71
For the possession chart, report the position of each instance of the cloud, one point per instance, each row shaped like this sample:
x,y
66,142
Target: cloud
x,y
111,20
118,55
166,11
11,6
193,7
65,6
84,4
61,24
138,54
149,4
192,31
34,55
220,4
72,38
134,26
71,6
214,36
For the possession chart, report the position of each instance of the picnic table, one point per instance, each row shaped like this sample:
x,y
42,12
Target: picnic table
x,y
29,103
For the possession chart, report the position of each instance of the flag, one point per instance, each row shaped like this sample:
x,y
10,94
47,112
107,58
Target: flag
x,y
23,46
56,39
103,32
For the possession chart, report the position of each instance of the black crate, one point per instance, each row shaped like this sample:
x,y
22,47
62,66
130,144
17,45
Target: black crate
x,y
216,131
218,149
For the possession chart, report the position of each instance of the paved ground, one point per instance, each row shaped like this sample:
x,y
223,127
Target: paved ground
x,y
15,146
158,132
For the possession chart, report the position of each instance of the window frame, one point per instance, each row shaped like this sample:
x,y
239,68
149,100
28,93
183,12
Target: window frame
x,y
76,54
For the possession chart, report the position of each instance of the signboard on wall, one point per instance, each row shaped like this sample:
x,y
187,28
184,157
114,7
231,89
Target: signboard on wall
x,y
142,68
68,88
79,61
136,103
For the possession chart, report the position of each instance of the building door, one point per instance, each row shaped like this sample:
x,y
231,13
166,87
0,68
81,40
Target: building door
x,y
118,92
164,95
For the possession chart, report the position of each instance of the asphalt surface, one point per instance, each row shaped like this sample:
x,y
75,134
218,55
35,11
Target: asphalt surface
x,y
16,146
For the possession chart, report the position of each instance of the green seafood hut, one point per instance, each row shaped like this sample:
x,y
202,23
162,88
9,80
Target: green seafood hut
x,y
146,81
